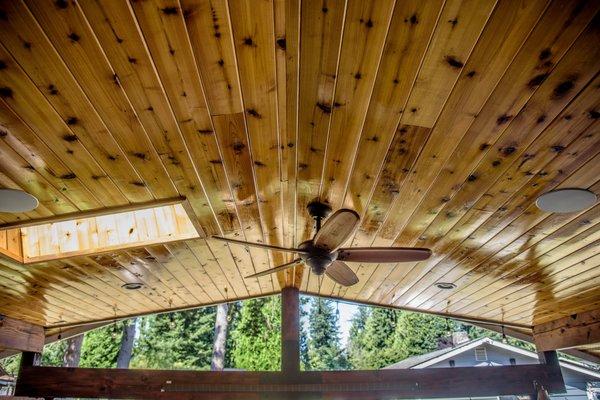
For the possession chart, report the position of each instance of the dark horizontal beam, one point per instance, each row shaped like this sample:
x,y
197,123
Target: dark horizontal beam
x,y
380,384
20,335
54,335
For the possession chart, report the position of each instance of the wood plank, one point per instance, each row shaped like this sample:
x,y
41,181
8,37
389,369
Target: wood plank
x,y
20,335
456,382
287,53
511,242
446,185
534,156
321,32
62,91
232,139
365,30
170,51
510,95
461,24
209,30
253,34
490,60
411,28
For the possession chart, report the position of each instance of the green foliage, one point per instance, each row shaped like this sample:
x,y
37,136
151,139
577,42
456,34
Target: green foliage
x,y
256,335
53,354
378,344
324,350
381,337
304,359
11,364
101,346
419,333
179,340
356,338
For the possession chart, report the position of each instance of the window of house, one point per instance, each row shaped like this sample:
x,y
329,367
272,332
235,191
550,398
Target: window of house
x,y
513,361
451,362
480,354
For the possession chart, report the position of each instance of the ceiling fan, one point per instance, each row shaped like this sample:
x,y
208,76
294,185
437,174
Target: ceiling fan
x,y
324,254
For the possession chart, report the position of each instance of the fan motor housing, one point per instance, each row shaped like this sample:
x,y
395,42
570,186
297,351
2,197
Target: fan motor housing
x,y
318,259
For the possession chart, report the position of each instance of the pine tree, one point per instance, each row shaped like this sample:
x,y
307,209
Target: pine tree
x,y
356,338
256,337
179,340
53,354
418,333
378,343
324,350
101,346
304,360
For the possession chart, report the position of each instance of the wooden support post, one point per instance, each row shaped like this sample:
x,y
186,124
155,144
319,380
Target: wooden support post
x,y
575,330
20,335
290,331
549,358
28,359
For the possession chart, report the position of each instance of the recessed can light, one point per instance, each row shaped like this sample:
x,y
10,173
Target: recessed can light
x,y
566,200
132,286
16,201
445,285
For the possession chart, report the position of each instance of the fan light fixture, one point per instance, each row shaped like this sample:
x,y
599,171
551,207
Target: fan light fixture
x,y
17,201
566,200
132,286
445,285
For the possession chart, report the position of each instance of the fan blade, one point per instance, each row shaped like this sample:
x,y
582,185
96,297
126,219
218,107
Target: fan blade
x,y
337,229
383,254
261,245
340,272
282,267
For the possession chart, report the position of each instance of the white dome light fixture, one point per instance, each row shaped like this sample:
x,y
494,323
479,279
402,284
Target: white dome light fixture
x,y
16,201
564,201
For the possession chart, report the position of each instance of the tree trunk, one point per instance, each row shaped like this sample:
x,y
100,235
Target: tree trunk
x,y
126,349
73,351
218,355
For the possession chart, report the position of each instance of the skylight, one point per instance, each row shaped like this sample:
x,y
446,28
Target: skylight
x,y
97,233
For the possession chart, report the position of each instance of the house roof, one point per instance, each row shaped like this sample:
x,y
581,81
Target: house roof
x,y
434,357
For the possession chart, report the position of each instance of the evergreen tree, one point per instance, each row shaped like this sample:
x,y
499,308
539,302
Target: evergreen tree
x,y
53,354
304,360
101,346
324,350
418,333
378,343
179,340
356,338
256,337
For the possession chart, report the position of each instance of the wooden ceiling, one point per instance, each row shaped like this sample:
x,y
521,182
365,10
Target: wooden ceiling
x,y
440,122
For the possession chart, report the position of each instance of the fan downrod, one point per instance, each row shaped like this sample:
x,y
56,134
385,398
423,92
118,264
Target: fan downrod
x,y
318,211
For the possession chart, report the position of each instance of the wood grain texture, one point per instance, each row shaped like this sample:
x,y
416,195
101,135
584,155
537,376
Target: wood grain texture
x,y
382,384
20,335
439,122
